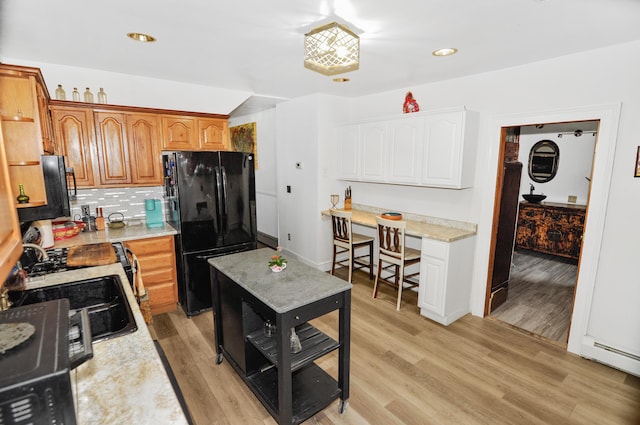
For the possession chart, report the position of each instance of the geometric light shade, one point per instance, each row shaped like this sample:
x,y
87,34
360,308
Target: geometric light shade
x,y
331,49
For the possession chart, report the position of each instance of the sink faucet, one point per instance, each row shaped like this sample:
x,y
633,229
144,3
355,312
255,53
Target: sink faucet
x,y
532,188
37,248
4,298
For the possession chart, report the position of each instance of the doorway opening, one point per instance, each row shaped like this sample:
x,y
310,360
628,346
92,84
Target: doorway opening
x,y
537,241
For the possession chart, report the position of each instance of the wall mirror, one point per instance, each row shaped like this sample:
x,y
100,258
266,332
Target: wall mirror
x,y
543,161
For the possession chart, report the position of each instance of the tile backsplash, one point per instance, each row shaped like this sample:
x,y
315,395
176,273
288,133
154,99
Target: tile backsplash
x,y
127,200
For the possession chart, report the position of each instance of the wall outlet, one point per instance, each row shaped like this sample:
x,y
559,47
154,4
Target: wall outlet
x,y
288,236
572,199
288,189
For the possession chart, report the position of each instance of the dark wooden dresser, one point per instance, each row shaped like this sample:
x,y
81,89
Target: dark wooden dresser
x,y
551,228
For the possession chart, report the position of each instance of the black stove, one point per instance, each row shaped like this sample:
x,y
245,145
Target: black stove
x,y
35,384
57,261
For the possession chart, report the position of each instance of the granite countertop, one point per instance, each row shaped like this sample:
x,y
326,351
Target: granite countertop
x,y
297,285
421,226
126,233
125,381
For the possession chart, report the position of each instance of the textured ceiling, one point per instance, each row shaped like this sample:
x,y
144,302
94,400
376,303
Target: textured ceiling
x,y
257,46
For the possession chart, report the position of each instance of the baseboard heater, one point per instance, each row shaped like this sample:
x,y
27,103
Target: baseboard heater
x,y
609,355
617,351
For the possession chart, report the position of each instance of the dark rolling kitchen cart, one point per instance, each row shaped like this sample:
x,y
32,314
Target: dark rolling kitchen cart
x,y
247,294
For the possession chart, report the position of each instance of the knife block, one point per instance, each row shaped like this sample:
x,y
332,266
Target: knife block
x,y
347,203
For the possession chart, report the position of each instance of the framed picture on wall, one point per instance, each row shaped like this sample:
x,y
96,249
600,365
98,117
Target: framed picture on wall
x,y
243,139
637,173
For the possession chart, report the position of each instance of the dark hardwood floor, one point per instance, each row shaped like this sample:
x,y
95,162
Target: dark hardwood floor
x,y
408,370
541,291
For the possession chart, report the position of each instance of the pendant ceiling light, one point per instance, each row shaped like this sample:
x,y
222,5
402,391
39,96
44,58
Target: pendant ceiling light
x,y
331,49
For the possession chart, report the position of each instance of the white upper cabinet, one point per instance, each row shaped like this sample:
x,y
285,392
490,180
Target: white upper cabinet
x,y
434,148
449,149
373,140
405,149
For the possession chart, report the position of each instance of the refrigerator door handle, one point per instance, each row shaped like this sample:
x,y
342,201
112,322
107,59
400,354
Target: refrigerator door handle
x,y
224,193
219,196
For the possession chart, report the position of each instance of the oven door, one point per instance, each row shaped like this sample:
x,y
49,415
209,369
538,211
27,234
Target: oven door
x,y
80,340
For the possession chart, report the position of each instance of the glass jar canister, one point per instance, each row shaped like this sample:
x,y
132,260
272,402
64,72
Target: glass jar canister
x,y
88,96
75,95
60,94
102,96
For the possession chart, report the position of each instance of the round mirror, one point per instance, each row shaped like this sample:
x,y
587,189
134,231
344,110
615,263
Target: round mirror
x,y
543,161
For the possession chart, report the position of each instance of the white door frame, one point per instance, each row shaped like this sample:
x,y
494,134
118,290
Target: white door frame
x,y
608,115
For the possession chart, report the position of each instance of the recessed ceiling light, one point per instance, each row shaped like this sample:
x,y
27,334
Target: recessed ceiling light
x,y
145,38
340,80
447,51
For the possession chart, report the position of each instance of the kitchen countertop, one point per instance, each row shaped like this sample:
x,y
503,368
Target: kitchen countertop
x,y
417,225
126,233
296,286
125,381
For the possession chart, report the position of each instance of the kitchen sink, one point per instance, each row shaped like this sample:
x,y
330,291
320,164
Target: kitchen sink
x,y
104,298
534,198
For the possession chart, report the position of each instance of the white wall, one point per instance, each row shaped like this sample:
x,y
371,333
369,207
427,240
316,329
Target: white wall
x,y
610,313
266,195
576,157
557,90
132,90
305,134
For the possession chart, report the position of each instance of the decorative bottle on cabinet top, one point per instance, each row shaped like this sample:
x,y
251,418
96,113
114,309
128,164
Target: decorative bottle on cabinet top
x,y
102,96
22,197
88,96
60,94
75,95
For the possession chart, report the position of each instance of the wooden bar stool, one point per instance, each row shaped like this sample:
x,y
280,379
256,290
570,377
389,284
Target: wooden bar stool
x,y
345,241
393,251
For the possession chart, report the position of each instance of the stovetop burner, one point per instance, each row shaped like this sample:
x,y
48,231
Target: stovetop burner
x,y
57,262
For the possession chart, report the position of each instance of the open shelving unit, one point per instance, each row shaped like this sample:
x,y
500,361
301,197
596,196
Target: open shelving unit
x,y
22,133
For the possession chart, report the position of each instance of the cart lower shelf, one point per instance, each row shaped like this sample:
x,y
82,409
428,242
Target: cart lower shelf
x,y
313,389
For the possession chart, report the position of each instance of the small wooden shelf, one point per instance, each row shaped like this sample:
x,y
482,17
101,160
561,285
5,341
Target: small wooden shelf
x,y
31,204
23,163
315,344
15,118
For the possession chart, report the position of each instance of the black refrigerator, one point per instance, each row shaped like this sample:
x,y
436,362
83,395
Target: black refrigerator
x,y
211,201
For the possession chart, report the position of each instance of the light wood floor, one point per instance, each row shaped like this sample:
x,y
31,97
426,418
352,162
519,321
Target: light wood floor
x,y
406,369
541,291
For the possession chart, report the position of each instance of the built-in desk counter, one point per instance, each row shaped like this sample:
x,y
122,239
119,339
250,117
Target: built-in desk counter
x,y
446,263
420,226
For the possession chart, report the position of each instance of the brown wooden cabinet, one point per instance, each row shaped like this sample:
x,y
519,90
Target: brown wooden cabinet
x,y
22,90
74,133
112,147
108,147
551,228
10,238
143,133
179,133
213,134
194,133
158,267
